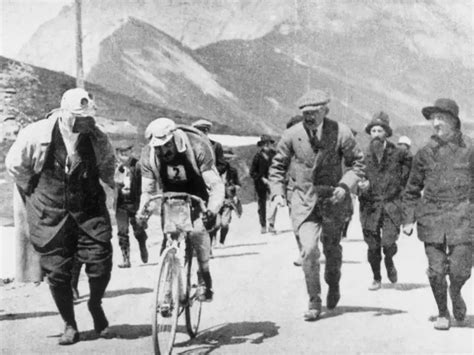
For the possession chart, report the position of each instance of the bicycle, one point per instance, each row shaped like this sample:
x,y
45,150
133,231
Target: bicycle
x,y
171,296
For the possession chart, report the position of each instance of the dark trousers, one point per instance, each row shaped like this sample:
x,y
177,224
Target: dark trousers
x,y
57,259
444,260
262,204
125,216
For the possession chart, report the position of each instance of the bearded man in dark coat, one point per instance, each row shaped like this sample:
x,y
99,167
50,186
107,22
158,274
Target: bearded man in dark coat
x,y
387,170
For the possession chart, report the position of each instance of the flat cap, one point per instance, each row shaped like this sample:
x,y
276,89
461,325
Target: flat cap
x,y
312,99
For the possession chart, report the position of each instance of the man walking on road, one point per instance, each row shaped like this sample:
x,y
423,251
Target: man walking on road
x,y
321,193
387,170
439,196
57,164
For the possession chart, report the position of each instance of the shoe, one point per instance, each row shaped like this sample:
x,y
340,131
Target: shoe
x,y
106,333
392,274
298,262
70,336
143,252
263,230
442,323
376,285
205,294
272,230
311,315
459,307
125,265
333,297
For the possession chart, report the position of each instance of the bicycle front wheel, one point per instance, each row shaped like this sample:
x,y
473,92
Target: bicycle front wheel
x,y
166,305
193,305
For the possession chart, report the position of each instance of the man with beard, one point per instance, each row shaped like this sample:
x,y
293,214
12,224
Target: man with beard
x,y
387,171
439,196
316,148
180,159
57,164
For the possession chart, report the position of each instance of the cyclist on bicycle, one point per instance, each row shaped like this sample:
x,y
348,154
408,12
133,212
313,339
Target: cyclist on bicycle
x,y
180,159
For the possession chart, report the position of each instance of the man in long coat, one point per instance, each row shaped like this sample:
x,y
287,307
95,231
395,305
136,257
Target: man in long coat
x,y
56,164
317,146
439,196
387,170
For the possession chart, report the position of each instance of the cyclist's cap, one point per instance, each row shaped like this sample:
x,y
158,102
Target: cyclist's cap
x,y
79,102
160,131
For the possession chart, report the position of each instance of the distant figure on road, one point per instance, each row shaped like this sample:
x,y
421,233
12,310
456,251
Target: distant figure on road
x,y
205,127
57,164
387,170
128,190
180,159
316,147
439,196
259,173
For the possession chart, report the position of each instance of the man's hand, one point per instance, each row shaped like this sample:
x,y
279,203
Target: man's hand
x,y
408,228
144,213
209,220
338,195
363,185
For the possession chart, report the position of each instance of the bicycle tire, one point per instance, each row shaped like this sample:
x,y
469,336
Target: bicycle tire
x,y
193,305
166,303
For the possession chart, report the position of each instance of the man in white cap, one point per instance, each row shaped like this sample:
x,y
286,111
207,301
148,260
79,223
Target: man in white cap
x,y
316,149
387,171
404,143
57,164
180,159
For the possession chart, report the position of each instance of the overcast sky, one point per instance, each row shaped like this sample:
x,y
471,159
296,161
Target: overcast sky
x,y
19,19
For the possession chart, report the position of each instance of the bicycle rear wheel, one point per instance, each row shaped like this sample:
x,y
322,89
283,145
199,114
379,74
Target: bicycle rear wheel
x,y
193,305
166,305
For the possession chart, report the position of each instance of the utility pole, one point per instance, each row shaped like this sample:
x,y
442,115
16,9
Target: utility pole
x,y
79,65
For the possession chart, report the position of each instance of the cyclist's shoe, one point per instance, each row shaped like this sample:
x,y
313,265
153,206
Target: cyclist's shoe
x,y
165,310
206,294
70,336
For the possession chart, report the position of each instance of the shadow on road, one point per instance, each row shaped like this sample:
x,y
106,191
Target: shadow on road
x,y
244,245
121,331
404,286
118,293
17,316
233,255
323,261
228,334
355,309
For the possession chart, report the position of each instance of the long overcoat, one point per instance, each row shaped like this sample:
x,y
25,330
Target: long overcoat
x,y
387,180
311,170
444,172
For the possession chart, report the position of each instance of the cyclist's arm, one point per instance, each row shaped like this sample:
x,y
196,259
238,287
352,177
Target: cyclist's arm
x,y
149,183
216,189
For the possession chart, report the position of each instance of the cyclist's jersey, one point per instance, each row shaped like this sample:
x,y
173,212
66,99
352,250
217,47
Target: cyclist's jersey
x,y
179,176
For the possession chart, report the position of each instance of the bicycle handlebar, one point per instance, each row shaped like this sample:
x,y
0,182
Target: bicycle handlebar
x,y
172,195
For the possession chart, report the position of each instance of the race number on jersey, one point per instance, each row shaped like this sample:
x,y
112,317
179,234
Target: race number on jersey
x,y
176,173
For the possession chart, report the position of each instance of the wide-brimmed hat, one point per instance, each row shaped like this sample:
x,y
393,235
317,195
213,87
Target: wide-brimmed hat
x,y
443,105
380,119
160,131
312,99
264,138
79,102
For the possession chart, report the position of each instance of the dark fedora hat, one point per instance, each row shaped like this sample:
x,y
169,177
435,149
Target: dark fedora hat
x,y
380,119
264,138
442,105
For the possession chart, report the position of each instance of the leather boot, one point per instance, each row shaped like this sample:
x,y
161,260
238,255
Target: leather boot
x,y
459,306
62,296
126,257
389,252
143,251
333,296
97,287
439,286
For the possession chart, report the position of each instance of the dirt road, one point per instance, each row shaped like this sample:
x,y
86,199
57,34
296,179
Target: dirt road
x,y
258,308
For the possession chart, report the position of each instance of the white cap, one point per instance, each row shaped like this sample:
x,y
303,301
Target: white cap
x,y
404,140
79,102
160,131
